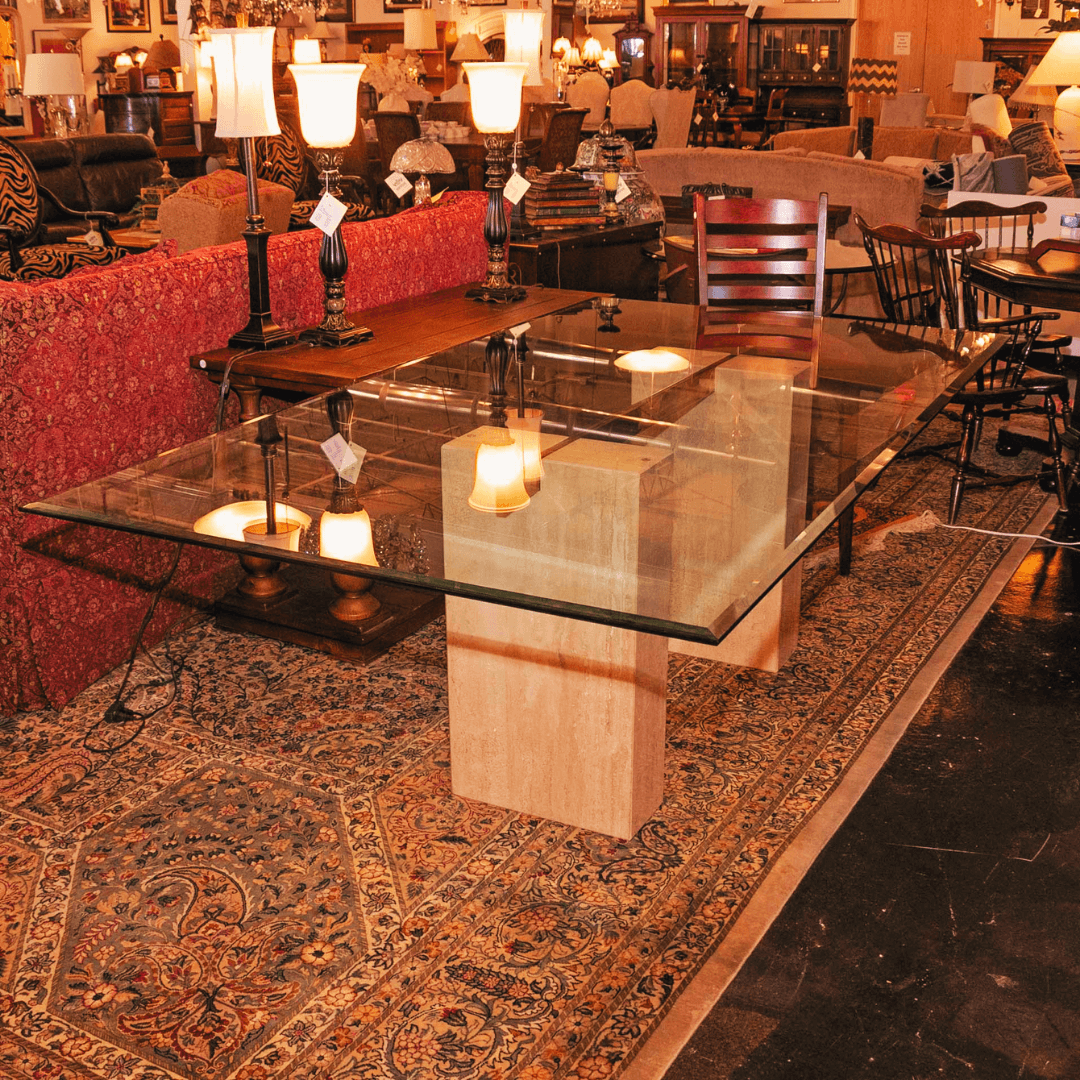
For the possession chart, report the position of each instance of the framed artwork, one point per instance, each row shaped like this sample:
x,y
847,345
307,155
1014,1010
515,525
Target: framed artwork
x,y
66,11
495,3
1034,9
127,16
168,12
56,41
627,10
401,5
336,11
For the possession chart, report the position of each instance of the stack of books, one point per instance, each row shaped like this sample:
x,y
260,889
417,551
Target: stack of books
x,y
562,200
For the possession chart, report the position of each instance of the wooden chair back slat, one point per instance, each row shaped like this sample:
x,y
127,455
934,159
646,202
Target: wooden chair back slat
x,y
766,239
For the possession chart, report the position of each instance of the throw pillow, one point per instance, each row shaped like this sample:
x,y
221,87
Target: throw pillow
x,y
1032,138
994,143
973,172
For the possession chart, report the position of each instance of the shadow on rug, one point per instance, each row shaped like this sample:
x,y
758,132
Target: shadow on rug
x,y
271,878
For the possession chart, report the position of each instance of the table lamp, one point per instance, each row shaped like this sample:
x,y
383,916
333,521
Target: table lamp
x,y
243,67
496,108
326,98
422,157
592,52
973,78
867,78
1061,67
48,76
345,529
1039,99
420,30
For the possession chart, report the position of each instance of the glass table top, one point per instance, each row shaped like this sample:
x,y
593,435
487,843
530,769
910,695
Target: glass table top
x,y
684,470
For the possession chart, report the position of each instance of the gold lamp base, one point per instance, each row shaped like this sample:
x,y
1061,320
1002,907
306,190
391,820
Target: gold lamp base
x,y
355,602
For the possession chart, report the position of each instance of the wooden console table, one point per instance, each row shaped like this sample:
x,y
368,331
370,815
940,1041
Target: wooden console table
x,y
403,331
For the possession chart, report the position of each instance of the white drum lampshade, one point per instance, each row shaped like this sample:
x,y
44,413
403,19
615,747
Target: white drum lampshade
x,y
1061,67
496,95
524,33
52,73
326,97
420,29
244,71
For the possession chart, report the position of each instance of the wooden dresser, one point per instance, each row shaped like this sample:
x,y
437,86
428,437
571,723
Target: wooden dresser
x,y
167,113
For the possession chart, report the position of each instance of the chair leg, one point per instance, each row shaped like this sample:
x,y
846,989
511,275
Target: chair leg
x,y
1054,446
963,459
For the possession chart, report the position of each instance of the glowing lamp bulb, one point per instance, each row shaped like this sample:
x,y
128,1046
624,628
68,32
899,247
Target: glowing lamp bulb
x,y
499,486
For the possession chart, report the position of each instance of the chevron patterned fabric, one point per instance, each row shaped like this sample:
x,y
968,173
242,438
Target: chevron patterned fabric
x,y
872,76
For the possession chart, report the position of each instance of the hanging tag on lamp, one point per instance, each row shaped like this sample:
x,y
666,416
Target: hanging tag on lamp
x,y
328,214
515,188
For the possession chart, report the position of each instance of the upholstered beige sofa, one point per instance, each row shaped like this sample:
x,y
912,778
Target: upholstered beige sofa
x,y
879,193
923,143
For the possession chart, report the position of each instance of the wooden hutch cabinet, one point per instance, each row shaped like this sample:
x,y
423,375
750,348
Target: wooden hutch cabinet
x,y
808,58
689,35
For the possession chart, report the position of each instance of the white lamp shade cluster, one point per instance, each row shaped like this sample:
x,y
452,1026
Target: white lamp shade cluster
x,y
326,98
524,34
496,95
420,29
52,73
243,69
1061,67
306,51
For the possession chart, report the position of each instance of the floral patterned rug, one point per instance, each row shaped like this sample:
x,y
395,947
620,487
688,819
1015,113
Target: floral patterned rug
x,y
271,878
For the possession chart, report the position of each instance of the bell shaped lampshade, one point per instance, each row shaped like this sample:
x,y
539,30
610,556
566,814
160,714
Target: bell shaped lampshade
x,y
52,73
326,98
496,95
306,51
243,69
524,33
420,29
347,537
230,521
525,431
560,46
609,61
499,483
658,361
592,52
573,57
424,155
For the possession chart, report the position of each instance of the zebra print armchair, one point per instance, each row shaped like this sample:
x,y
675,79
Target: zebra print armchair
x,y
24,255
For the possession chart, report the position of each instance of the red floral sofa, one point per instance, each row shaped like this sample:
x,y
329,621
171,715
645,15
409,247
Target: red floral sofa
x,y
94,377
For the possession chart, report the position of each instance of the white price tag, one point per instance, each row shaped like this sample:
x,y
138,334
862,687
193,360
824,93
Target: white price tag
x,y
697,119
622,191
859,155
715,117
346,457
515,188
398,184
328,214
517,331
94,239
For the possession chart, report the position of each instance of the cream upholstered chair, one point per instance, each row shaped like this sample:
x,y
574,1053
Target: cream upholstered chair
x,y
458,92
590,91
212,210
673,110
630,109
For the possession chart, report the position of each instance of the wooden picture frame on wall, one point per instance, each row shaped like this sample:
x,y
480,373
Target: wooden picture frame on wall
x,y
336,11
1034,9
127,16
66,11
400,5
168,12
56,41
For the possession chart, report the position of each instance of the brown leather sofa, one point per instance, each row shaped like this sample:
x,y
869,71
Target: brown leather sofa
x,y
92,172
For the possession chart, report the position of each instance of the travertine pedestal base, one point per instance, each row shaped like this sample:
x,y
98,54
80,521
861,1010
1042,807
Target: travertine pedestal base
x,y
556,717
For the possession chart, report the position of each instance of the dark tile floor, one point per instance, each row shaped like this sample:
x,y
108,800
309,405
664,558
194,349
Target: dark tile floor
x,y
938,934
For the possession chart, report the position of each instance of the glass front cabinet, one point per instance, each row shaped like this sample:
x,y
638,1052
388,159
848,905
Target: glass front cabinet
x,y
801,53
701,40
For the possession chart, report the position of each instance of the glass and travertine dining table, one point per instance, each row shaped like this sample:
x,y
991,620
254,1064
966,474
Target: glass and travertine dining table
x,y
684,475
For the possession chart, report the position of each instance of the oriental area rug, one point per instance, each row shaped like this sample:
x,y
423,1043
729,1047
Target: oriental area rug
x,y
270,877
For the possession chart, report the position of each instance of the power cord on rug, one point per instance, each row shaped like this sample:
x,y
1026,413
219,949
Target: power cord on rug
x,y
117,711
931,518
